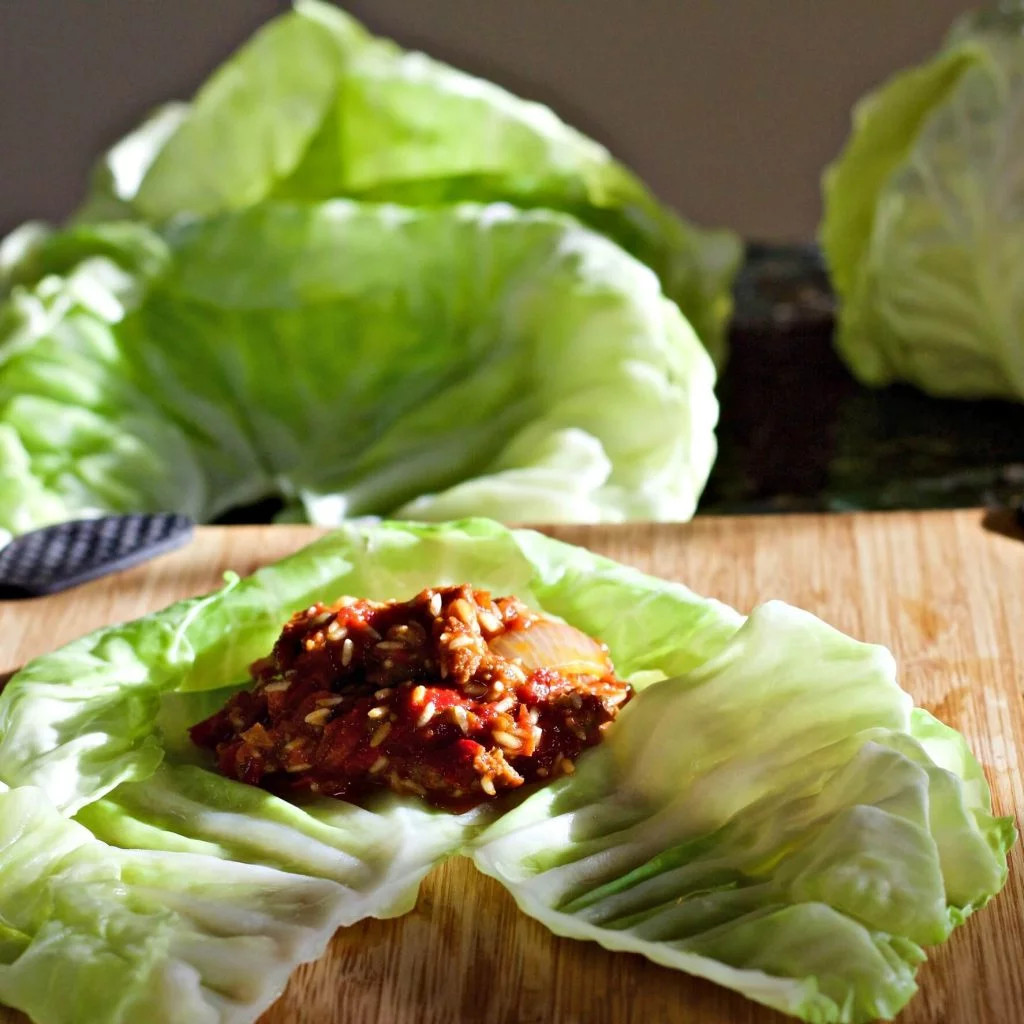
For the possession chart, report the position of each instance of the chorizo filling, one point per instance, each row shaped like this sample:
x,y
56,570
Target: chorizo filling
x,y
452,696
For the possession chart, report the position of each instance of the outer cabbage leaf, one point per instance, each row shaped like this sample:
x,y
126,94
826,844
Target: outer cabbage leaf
x,y
353,359
768,811
93,933
777,820
922,226
314,108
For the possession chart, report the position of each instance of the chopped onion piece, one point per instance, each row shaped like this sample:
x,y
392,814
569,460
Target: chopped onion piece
x,y
556,645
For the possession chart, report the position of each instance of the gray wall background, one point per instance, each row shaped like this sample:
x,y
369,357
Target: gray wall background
x,y
729,108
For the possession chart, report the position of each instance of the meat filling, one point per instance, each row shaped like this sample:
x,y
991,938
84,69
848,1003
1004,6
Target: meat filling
x,y
451,696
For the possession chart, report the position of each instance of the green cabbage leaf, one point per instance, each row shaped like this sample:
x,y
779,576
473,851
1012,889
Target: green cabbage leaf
x,y
314,108
924,221
350,359
769,811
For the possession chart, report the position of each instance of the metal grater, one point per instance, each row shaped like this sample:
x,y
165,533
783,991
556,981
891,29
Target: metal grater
x,y
58,557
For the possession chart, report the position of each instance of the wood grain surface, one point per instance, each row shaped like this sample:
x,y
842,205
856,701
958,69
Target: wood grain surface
x,y
944,590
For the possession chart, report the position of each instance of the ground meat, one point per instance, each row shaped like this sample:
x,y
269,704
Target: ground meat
x,y
451,696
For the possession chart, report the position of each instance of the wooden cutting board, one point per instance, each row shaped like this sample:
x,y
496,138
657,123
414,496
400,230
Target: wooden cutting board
x,y
945,590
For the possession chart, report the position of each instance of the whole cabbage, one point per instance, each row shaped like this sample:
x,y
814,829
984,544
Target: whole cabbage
x,y
924,220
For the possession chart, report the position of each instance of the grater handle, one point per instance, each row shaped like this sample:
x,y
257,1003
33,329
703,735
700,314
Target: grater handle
x,y
64,555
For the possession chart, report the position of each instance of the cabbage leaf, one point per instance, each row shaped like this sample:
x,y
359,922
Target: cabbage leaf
x,y
769,811
315,108
923,221
352,359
